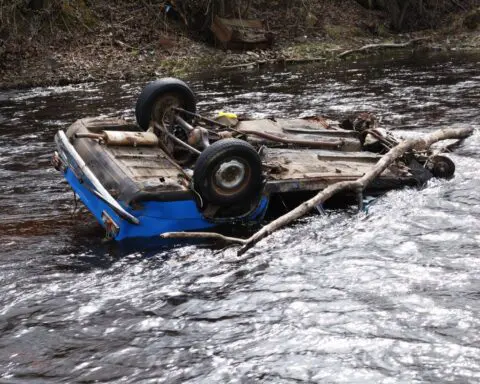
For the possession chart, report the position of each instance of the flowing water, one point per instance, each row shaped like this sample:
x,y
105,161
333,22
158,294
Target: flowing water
x,y
390,296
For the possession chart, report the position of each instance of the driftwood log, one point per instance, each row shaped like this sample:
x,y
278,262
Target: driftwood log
x,y
292,60
419,144
280,60
203,235
371,47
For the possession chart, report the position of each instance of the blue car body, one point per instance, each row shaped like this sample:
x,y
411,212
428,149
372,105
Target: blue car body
x,y
148,219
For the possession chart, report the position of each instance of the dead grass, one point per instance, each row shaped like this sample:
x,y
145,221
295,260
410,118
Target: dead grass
x,y
77,40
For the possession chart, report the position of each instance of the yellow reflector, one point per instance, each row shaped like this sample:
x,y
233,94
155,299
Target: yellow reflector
x,y
228,115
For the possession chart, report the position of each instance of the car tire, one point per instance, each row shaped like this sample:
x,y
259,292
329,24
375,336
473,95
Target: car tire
x,y
228,172
157,99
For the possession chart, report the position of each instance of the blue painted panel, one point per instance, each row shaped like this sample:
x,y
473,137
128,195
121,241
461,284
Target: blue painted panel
x,y
155,217
92,202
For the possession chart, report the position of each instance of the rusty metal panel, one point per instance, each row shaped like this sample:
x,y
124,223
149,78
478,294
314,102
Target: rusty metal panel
x,y
98,124
286,169
312,130
149,167
129,138
241,34
305,169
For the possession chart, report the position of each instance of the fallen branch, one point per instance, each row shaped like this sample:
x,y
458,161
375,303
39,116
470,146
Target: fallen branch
x,y
303,60
243,65
370,47
203,235
282,60
358,186
459,5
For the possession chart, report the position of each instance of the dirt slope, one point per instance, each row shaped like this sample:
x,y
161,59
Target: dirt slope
x,y
77,41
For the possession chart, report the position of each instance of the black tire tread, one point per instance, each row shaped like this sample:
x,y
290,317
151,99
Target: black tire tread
x,y
215,152
153,90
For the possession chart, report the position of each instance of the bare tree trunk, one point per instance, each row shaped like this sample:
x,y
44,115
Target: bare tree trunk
x,y
225,7
393,9
402,15
358,186
221,8
246,9
37,5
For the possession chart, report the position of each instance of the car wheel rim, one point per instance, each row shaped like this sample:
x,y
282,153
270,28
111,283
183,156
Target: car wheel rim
x,y
230,175
162,111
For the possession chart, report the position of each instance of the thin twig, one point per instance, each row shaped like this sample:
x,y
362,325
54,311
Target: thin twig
x,y
459,5
359,184
280,60
370,47
203,235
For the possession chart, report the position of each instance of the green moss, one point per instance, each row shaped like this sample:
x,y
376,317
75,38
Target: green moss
x,y
338,32
383,31
75,11
181,66
308,50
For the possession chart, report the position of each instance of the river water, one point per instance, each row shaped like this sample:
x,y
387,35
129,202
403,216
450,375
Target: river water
x,y
390,296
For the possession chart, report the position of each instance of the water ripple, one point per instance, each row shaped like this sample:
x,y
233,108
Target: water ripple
x,y
387,296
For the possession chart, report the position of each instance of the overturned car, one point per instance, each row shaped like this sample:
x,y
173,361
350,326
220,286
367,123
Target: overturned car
x,y
176,170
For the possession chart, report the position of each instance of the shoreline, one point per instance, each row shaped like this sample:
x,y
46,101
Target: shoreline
x,y
117,62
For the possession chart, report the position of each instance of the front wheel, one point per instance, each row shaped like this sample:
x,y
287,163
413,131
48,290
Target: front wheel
x,y
228,172
159,97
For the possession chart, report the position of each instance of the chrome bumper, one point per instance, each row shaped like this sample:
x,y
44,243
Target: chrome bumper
x,y
68,157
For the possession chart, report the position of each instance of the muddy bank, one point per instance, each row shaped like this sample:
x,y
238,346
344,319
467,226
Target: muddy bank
x,y
127,49
391,296
119,64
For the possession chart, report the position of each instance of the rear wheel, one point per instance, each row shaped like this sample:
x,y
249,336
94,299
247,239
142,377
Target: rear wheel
x,y
228,172
159,97
441,167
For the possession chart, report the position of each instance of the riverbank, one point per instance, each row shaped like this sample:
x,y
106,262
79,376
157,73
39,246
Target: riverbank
x,y
119,51
390,296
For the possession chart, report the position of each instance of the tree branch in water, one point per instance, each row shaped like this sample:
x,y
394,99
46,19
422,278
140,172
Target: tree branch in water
x,y
203,235
370,47
358,186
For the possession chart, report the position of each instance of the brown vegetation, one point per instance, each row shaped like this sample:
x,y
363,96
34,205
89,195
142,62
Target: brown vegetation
x,y
408,15
359,185
52,41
